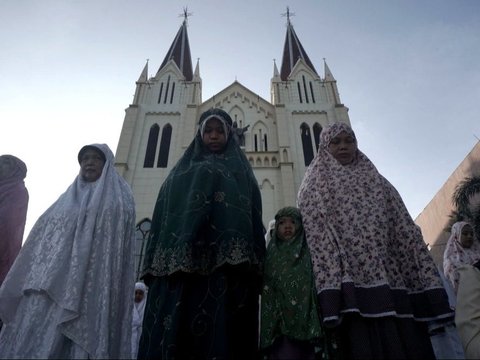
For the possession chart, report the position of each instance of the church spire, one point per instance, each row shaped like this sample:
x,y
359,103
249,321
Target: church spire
x,y
179,51
292,50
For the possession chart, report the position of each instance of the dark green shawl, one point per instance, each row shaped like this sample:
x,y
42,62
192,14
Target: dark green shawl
x,y
289,304
208,213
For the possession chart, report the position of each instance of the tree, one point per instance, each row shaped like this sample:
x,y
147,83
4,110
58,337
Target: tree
x,y
467,205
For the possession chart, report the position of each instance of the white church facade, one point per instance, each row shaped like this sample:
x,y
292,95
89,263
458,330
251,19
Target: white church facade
x,y
282,136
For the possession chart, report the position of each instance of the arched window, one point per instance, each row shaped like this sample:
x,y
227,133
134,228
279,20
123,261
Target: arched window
x,y
305,88
265,144
173,92
164,146
141,235
306,143
160,94
151,146
166,90
317,129
299,92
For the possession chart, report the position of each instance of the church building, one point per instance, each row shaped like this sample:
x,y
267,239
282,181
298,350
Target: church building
x,y
280,142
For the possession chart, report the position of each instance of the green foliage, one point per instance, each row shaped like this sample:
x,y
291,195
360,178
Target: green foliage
x,y
464,210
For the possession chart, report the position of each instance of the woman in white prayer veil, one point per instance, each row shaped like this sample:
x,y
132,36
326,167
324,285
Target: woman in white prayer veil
x,y
68,293
138,310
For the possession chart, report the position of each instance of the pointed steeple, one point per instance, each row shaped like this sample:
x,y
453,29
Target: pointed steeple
x,y
275,69
141,83
331,84
144,75
179,51
328,73
196,74
292,51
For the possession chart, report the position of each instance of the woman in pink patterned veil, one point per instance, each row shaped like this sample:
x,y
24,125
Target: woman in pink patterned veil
x,y
377,284
461,249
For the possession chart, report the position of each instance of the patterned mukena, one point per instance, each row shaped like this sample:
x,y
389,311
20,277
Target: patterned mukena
x,y
368,255
208,212
456,255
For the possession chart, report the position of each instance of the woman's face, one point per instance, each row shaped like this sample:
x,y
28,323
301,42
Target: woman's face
x,y
91,165
214,136
343,147
467,238
286,228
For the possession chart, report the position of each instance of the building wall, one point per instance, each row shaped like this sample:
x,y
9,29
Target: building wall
x,y
435,217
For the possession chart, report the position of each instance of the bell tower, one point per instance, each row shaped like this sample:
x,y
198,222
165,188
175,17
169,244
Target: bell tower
x,y
160,122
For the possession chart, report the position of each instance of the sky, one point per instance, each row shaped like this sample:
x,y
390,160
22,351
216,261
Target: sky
x,y
408,70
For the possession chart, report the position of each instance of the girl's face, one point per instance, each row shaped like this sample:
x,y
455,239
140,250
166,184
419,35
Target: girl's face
x,y
214,136
343,147
139,294
286,228
467,238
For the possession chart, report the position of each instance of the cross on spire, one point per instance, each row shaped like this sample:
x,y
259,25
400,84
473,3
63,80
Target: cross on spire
x,y
288,14
185,14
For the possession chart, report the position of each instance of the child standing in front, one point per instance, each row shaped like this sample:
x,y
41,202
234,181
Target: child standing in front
x,y
290,325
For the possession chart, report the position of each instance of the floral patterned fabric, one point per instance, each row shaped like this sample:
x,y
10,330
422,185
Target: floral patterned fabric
x,y
208,213
456,255
368,256
289,305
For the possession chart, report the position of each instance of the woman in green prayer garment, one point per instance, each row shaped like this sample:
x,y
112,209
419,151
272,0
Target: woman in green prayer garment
x,y
205,253
290,324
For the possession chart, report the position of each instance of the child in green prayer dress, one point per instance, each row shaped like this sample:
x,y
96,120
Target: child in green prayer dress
x,y
290,324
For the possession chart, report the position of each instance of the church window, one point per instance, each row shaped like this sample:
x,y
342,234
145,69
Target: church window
x,y
173,92
299,92
317,129
166,90
151,146
305,88
160,94
255,140
265,144
274,161
142,230
311,92
306,143
164,146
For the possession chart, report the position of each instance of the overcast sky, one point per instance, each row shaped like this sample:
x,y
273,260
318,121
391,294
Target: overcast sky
x,y
408,70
